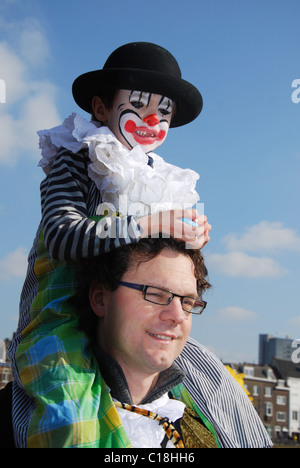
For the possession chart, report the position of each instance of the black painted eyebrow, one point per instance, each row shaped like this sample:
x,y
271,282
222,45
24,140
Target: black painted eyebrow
x,y
140,95
170,102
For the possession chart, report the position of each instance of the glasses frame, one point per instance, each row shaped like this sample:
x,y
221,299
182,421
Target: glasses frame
x,y
143,288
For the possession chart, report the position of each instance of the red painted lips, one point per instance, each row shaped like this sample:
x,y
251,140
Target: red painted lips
x,y
144,135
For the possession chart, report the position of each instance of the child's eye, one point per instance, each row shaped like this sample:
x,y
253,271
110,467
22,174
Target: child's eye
x,y
137,104
164,112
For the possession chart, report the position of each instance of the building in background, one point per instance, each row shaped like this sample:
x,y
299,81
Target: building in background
x,y
5,366
272,347
289,372
270,398
274,386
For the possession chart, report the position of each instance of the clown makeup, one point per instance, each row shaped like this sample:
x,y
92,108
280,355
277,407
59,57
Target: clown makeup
x,y
140,118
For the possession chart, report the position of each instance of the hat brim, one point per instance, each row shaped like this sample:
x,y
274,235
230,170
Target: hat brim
x,y
188,99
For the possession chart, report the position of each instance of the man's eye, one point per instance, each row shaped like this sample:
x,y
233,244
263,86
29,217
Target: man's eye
x,y
155,294
187,301
137,104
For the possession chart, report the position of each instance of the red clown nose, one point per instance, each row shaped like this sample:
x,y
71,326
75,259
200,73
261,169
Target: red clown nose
x,y
151,120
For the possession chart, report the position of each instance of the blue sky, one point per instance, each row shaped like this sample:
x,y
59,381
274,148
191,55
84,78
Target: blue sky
x,y
244,57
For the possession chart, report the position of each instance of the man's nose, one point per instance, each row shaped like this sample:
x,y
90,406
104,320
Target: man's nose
x,y
174,311
151,120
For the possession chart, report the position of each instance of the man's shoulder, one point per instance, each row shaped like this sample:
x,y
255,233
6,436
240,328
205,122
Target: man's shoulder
x,y
199,355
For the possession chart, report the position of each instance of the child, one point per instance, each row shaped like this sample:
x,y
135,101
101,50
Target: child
x,y
104,188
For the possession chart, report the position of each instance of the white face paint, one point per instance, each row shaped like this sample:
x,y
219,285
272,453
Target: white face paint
x,y
140,118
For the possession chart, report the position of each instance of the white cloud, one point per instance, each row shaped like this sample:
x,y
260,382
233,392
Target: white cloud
x,y
7,137
265,236
38,112
34,47
14,264
13,72
239,264
295,321
29,103
236,313
265,239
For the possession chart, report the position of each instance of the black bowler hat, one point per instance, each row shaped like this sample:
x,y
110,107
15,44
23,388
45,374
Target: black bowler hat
x,y
141,66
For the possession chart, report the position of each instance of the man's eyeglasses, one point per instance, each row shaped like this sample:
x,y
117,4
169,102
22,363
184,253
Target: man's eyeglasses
x,y
164,297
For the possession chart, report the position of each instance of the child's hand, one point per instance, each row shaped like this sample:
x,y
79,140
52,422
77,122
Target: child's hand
x,y
171,223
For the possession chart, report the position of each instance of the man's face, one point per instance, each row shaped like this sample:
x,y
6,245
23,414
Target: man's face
x,y
140,118
146,338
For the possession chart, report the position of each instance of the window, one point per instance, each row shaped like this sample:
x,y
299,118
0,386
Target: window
x,y
281,416
249,371
255,390
281,400
270,431
268,391
295,415
5,376
268,409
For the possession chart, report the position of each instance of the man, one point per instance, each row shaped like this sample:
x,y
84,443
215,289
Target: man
x,y
136,328
136,306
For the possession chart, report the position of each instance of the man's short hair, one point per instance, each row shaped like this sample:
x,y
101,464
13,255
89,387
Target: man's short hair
x,y
109,268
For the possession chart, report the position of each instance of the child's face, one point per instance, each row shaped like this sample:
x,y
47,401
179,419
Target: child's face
x,y
140,118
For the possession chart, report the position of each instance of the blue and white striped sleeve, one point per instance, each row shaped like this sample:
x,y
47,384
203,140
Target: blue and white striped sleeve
x,y
66,207
221,399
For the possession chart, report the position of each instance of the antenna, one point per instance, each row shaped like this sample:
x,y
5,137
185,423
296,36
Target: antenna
x,y
286,335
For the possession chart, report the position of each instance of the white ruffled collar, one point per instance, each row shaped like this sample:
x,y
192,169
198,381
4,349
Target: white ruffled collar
x,y
70,135
128,184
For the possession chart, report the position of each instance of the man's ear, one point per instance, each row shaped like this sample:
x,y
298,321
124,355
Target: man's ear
x,y
99,109
96,293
